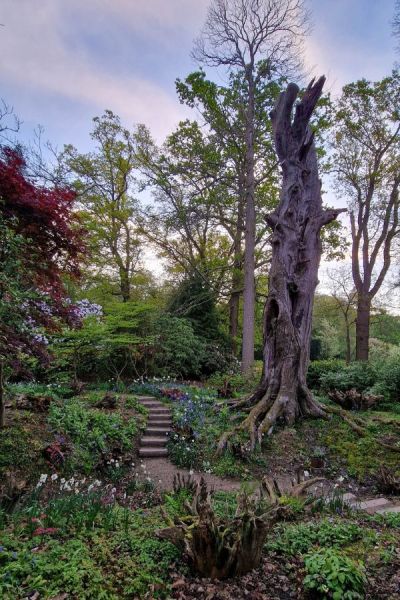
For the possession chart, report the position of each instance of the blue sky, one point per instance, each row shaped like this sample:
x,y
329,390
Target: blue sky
x,y
65,61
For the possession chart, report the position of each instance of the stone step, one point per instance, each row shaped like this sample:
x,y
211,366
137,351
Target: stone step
x,y
153,452
146,398
394,508
164,417
158,431
152,405
159,411
375,504
148,440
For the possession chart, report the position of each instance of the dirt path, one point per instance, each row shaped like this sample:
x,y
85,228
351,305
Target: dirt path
x,y
162,472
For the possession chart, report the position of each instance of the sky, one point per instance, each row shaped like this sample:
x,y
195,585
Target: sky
x,y
65,61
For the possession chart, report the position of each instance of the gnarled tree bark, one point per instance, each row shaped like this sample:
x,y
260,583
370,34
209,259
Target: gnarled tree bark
x,y
296,251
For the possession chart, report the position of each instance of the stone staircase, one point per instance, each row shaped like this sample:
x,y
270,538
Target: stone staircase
x,y
153,444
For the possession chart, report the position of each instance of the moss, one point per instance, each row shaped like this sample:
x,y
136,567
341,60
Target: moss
x,y
360,455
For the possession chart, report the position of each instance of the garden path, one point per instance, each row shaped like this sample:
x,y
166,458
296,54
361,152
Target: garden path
x,y
154,454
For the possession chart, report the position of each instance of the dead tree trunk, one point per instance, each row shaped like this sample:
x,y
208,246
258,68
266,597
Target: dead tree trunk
x,y
296,253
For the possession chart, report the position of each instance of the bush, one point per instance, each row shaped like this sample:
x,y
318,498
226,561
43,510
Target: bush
x,y
358,375
320,368
378,377
388,377
334,575
179,352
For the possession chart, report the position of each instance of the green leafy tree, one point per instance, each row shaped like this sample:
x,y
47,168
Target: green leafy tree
x,y
366,163
105,180
222,109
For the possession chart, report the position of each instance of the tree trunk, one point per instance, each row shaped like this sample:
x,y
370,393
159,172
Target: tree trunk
x,y
348,344
296,253
234,303
125,284
237,276
2,399
250,240
362,327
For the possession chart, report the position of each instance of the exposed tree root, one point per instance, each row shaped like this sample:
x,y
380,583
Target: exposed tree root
x,y
263,416
359,426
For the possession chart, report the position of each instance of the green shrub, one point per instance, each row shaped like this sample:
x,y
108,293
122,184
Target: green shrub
x,y
358,375
319,368
179,352
334,575
388,378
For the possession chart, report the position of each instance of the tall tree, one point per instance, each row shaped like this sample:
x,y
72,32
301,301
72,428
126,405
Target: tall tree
x,y
261,38
222,109
104,181
366,161
184,175
296,251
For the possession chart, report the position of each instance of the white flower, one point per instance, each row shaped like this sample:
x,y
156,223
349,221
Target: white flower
x,y
62,481
117,464
43,478
306,474
113,490
191,472
340,479
54,477
91,486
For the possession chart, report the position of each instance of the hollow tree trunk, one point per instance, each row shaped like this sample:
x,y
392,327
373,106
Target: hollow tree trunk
x,y
296,253
362,327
